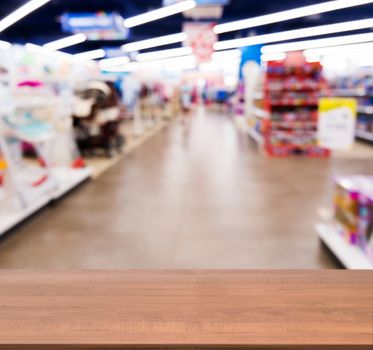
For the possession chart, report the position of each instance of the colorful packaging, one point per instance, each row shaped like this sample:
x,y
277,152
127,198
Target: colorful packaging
x,y
353,213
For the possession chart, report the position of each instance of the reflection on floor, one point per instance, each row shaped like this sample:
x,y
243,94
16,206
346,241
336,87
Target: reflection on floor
x,y
196,195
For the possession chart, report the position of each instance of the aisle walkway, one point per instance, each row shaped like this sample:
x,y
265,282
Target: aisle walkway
x,y
194,196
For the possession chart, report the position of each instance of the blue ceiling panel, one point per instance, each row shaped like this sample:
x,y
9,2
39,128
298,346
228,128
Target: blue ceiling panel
x,y
44,25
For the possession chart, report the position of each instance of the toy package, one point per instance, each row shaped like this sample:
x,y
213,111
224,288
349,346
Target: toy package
x,y
353,202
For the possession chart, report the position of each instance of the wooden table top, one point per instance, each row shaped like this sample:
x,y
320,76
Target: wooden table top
x,y
187,309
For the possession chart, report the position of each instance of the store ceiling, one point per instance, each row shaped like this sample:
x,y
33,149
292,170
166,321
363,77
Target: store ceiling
x,y
44,25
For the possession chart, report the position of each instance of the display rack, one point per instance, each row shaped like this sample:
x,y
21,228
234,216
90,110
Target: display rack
x,y
67,180
358,85
290,109
350,256
35,112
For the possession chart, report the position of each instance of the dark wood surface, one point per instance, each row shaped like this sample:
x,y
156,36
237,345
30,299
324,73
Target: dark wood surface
x,y
186,309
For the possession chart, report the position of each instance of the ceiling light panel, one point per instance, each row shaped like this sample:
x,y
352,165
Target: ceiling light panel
x,y
156,55
113,62
66,42
295,34
288,15
89,55
21,12
163,12
159,41
318,43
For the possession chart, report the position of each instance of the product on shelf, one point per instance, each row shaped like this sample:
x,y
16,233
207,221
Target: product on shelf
x,y
357,84
97,118
291,97
353,202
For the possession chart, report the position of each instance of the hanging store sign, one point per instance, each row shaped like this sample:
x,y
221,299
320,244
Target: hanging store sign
x,y
336,123
201,39
97,26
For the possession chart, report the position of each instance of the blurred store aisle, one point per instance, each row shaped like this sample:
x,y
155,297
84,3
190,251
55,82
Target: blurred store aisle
x,y
197,195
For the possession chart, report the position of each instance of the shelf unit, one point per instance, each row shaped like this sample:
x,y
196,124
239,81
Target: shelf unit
x,y
67,180
351,256
364,135
363,92
291,95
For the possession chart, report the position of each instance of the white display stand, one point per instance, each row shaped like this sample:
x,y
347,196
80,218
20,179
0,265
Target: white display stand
x,y
53,100
10,219
67,179
351,257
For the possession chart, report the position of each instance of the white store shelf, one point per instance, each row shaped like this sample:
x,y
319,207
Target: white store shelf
x,y
10,219
255,135
352,257
67,180
260,113
364,135
365,110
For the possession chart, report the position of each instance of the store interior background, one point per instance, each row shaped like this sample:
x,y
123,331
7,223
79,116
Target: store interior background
x,y
207,147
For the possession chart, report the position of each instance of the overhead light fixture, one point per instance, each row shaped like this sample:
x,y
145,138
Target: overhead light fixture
x,y
21,12
156,55
280,56
295,34
227,65
66,42
347,60
159,41
288,14
365,48
4,45
115,61
318,43
89,55
169,64
41,50
227,54
129,67
163,12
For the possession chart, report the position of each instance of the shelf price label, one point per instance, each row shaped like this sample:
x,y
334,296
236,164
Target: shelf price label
x,y
336,123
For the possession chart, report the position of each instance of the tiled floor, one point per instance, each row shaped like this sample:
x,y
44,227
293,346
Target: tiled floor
x,y
196,195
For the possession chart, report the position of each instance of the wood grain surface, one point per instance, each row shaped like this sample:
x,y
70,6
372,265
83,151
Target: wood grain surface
x,y
186,309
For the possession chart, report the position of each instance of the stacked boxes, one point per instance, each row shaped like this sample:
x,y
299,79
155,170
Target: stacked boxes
x,y
353,202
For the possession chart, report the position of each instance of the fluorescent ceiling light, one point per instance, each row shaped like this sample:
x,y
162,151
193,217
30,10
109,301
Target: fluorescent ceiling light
x,y
156,55
130,67
41,50
295,34
21,12
169,64
227,54
289,14
223,66
228,62
89,55
163,12
365,48
335,62
280,56
309,44
112,62
66,42
4,45
149,43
